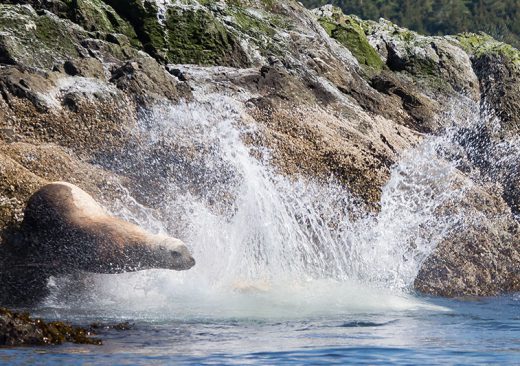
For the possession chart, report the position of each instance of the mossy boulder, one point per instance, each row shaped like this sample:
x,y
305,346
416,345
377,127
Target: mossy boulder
x,y
259,30
196,36
481,44
434,62
147,20
497,66
348,31
231,33
224,33
95,15
36,40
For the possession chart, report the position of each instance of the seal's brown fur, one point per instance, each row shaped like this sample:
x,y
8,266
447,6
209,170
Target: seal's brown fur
x,y
67,226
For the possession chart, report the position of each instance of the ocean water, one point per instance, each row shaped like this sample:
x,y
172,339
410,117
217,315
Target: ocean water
x,y
408,330
289,270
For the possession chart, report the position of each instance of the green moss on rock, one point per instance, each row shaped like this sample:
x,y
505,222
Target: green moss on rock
x,y
53,34
264,4
195,36
251,24
144,18
36,40
348,31
95,15
260,28
482,44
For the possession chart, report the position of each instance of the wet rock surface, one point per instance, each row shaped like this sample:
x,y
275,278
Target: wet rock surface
x,y
481,257
330,95
19,329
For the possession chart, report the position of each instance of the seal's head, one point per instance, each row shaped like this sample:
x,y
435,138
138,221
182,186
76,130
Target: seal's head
x,y
168,253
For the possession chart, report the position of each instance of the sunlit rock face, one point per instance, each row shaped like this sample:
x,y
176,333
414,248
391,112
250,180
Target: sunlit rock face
x,y
155,108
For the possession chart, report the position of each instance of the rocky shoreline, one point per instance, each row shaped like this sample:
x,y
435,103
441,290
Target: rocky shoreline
x,y
19,329
329,94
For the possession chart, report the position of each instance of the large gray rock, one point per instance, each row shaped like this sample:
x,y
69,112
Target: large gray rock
x,y
481,257
328,94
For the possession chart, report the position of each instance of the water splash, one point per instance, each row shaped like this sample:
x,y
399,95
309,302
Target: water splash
x,y
263,241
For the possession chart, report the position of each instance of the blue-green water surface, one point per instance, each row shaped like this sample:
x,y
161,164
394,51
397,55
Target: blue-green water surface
x,y
471,331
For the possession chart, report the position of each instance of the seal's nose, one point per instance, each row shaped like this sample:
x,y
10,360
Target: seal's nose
x,y
191,262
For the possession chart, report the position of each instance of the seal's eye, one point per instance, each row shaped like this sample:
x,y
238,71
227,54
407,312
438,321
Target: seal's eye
x,y
175,254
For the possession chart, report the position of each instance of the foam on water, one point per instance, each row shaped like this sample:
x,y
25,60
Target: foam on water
x,y
158,295
280,247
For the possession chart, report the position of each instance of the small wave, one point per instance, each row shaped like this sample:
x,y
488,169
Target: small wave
x,y
364,324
